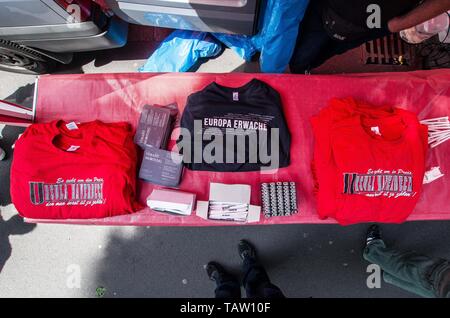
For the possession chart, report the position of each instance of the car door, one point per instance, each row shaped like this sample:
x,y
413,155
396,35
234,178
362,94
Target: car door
x,y
20,13
38,20
225,16
36,33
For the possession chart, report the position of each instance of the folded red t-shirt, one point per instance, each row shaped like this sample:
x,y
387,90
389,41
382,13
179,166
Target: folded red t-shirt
x,y
369,162
74,171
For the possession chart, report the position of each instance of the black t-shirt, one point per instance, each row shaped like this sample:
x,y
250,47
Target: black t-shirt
x,y
347,19
234,129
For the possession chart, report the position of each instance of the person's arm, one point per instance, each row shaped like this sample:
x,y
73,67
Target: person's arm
x,y
424,12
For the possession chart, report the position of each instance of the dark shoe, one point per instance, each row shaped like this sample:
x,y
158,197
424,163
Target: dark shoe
x,y
215,271
373,234
246,250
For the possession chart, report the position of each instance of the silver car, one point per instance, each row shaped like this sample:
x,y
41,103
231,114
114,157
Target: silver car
x,y
37,34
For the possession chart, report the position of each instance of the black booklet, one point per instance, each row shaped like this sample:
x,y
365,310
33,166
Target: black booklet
x,y
154,127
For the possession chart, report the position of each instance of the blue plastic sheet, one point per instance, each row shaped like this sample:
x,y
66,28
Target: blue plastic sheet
x,y
277,37
279,34
180,51
240,44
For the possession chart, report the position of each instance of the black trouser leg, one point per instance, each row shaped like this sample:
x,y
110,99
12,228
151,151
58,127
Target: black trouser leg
x,y
228,287
257,283
312,41
314,46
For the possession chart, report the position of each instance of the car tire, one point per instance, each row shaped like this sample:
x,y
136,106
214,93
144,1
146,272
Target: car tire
x,y
21,59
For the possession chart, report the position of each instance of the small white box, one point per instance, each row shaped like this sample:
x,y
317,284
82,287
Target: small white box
x,y
171,201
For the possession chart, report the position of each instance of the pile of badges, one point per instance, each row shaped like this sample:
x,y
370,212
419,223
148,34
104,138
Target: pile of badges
x,y
279,199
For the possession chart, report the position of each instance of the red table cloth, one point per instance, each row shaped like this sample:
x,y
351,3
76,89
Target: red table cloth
x,y
120,97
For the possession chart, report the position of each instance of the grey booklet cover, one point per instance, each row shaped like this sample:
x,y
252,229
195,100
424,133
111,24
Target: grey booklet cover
x,y
154,127
161,167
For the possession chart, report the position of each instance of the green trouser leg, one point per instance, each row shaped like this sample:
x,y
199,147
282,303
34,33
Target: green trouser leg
x,y
410,287
408,270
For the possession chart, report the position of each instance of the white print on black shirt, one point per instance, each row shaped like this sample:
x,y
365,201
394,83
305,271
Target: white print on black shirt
x,y
72,192
238,121
397,183
222,145
234,123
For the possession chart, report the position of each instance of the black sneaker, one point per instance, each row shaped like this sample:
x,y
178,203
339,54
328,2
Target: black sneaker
x,y
215,271
246,250
373,234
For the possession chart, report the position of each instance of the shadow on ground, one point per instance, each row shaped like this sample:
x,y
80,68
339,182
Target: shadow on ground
x,y
13,226
303,260
131,51
10,135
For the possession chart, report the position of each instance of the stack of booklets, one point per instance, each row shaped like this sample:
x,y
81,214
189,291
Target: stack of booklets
x,y
161,167
154,127
158,166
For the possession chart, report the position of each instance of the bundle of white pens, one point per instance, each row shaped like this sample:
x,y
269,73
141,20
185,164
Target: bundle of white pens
x,y
438,130
228,211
